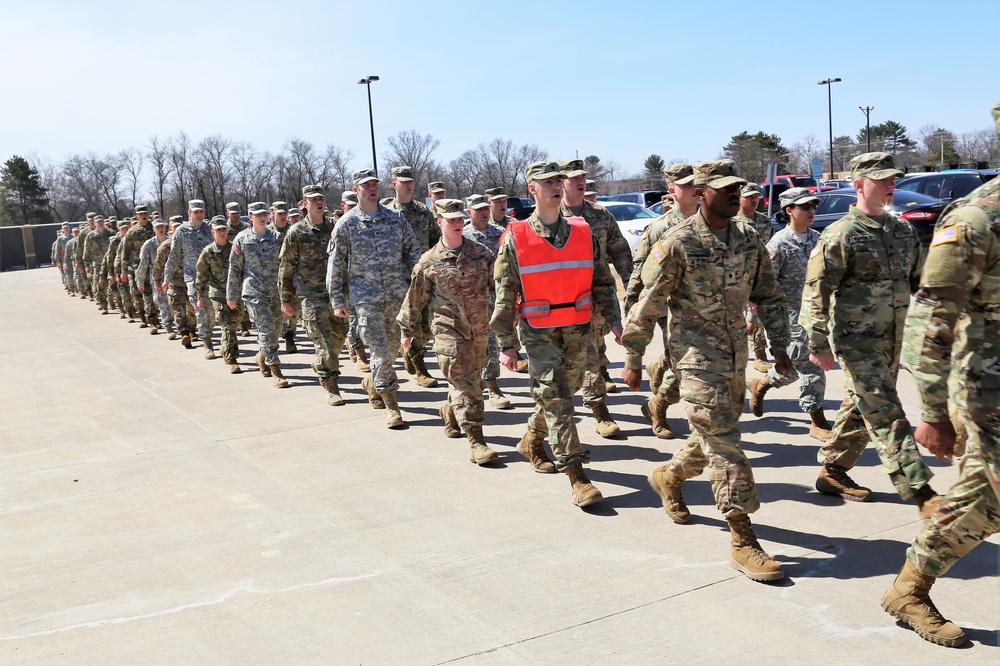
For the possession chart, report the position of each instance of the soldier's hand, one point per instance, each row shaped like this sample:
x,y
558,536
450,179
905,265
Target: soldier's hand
x,y
632,378
782,364
508,359
231,304
406,342
142,288
340,312
617,332
201,304
164,286
123,277
938,438
825,361
287,309
751,327
101,282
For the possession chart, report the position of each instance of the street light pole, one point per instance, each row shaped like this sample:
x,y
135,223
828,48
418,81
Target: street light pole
x,y
367,81
829,102
867,110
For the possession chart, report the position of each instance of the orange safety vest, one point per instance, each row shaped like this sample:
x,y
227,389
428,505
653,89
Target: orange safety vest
x,y
555,283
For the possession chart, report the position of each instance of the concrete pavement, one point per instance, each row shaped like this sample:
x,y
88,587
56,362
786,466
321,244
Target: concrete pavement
x,y
157,510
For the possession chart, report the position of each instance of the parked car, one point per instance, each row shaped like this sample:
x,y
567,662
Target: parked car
x,y
644,198
837,184
800,180
632,219
520,208
919,210
657,208
945,185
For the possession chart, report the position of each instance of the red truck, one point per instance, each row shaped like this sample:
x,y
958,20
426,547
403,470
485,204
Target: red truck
x,y
788,181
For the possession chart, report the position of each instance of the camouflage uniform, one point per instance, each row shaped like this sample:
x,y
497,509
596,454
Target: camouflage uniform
x,y
288,324
759,223
490,237
954,316
188,242
130,250
177,296
112,269
373,256
790,258
157,309
69,270
456,286
60,256
96,246
858,287
240,313
211,276
706,284
557,356
253,274
302,276
81,278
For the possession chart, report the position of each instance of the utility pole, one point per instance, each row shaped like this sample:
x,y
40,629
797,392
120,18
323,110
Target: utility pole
x,y
367,81
829,102
867,110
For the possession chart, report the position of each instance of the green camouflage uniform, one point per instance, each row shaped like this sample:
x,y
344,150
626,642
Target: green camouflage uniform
x,y
211,274
130,250
557,356
68,268
96,246
706,284
762,226
288,324
113,268
456,287
427,233
956,315
181,310
81,277
858,286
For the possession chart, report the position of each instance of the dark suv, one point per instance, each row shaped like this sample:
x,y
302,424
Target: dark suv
x,y
520,209
945,185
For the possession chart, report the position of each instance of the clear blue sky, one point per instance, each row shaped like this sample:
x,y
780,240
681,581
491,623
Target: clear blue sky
x,y
618,79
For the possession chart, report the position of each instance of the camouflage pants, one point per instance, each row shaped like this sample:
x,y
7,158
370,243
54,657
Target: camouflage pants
x,y
94,282
226,318
179,307
812,378
418,346
461,362
557,358
594,390
152,309
327,333
110,289
758,341
970,511
81,280
203,318
137,296
670,387
491,367
715,403
871,409
353,337
69,277
124,296
265,313
378,329
163,307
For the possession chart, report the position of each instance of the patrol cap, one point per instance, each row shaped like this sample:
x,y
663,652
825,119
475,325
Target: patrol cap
x,y
796,196
495,193
476,201
435,186
112,218
256,208
156,213
572,168
385,201
450,208
543,170
219,222
91,216
362,176
124,223
750,190
310,191
279,206
877,166
681,173
141,209
591,188
349,197
402,173
196,204
176,219
65,225
232,207
159,222
294,212
76,230
717,174
98,218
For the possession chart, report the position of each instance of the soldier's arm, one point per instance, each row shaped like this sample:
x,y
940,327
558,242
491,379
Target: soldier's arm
x,y
410,317
434,232
142,270
661,273
203,272
604,293
176,256
288,260
917,267
337,264
618,250
234,281
767,295
411,250
159,265
507,276
634,287
823,278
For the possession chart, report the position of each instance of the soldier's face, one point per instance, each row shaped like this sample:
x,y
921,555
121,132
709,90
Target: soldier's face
x,y
479,215
259,219
196,216
160,231
434,196
749,203
368,190
234,218
876,192
314,204
549,190
220,235
280,218
451,228
100,225
802,216
498,207
143,218
724,202
684,195
576,184
404,188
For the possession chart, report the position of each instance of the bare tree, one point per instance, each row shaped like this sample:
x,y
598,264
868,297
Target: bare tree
x,y
180,154
414,150
803,153
159,159
214,170
131,162
252,173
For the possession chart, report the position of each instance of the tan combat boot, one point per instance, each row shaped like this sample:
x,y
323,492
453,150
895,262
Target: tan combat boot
x,y
584,492
393,419
760,362
747,556
408,362
186,340
361,358
532,448
332,390
609,384
667,485
605,426
290,347
265,371
497,398
758,387
820,428
277,378
209,348
522,365
833,480
451,427
131,316
234,367
655,411
908,599
423,375
655,369
479,453
374,399
927,501
171,333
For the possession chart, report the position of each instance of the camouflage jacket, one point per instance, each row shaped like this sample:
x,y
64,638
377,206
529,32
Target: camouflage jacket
x,y
790,258
858,284
611,245
96,245
282,232
373,255
237,229
490,236
107,268
507,274
147,258
132,245
69,250
502,222
253,265
185,248
956,312
303,261
457,284
707,284
760,224
81,243
653,233
212,271
159,267
61,242
421,219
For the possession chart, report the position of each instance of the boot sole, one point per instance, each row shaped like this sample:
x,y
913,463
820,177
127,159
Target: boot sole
x,y
679,519
833,492
592,499
489,461
665,433
539,470
759,577
927,636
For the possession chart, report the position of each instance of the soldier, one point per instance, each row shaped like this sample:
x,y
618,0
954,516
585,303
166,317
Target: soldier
x,y
211,277
453,281
436,191
189,240
78,264
498,207
548,278
961,279
749,197
858,284
374,251
60,254
357,351
236,225
129,251
706,269
68,253
157,312
280,225
97,244
612,248
426,231
789,250
295,215
481,230
176,287
110,270
302,281
590,194
253,274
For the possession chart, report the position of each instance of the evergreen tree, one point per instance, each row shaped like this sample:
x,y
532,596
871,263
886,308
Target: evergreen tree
x,y
23,200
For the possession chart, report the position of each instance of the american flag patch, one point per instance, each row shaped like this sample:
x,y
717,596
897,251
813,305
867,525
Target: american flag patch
x,y
236,249
658,253
816,250
946,235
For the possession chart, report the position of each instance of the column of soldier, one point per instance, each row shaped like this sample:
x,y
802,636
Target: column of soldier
x,y
387,274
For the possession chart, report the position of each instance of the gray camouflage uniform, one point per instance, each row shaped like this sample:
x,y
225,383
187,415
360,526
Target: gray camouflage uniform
x,y
253,274
185,248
